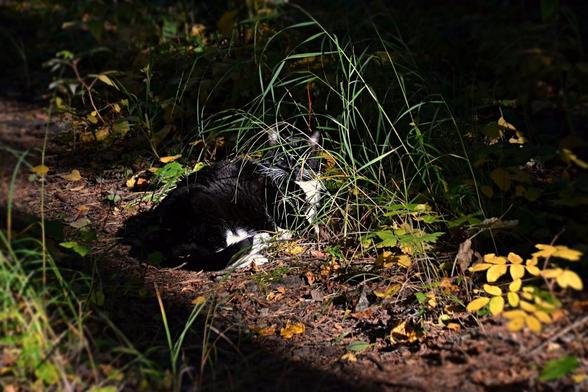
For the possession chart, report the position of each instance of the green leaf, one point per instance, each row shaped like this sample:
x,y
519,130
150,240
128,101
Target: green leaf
x,y
73,245
421,297
558,368
357,347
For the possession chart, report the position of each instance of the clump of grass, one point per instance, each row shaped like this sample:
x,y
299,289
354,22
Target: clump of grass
x,y
383,143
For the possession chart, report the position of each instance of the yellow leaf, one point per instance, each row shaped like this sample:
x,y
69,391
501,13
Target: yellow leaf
x,y
514,314
295,250
131,182
495,272
544,304
533,324
532,261
569,279
400,333
527,306
198,166
514,258
533,270
493,259
518,138
349,357
515,285
545,250
517,271
477,304
492,290
552,273
566,253
579,377
106,80
73,176
265,331
496,305
479,267
170,158
516,324
404,261
542,316
101,134
454,327
199,300
292,329
384,259
501,178
513,299
390,291
40,170
502,123
569,156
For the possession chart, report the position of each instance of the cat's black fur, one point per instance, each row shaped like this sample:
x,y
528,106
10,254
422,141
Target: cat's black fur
x,y
190,224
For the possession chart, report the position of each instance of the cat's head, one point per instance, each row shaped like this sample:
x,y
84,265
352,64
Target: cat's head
x,y
296,156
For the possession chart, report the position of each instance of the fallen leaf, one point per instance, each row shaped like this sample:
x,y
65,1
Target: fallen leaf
x,y
199,300
388,292
40,170
292,329
400,333
79,223
170,158
73,176
349,357
309,278
265,331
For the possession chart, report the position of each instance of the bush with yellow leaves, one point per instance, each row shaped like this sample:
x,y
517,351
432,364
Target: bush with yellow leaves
x,y
529,306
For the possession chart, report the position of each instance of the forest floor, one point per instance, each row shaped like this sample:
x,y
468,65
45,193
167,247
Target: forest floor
x,y
344,343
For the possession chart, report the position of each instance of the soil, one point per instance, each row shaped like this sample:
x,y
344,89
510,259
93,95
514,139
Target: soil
x,y
249,308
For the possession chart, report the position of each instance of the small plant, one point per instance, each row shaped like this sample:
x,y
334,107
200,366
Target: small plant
x,y
530,305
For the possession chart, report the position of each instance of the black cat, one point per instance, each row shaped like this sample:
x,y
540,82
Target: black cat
x,y
225,212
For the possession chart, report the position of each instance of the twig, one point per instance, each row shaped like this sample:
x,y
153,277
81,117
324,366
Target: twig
x,y
567,329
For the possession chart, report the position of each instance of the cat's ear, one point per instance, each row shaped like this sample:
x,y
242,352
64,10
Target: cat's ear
x,y
315,139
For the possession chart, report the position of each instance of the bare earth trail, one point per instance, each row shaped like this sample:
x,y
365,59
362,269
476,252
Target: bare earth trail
x,y
252,306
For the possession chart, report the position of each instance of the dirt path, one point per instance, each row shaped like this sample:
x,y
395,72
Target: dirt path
x,y
334,303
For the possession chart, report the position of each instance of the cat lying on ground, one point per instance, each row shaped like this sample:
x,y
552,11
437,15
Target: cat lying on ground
x,y
225,213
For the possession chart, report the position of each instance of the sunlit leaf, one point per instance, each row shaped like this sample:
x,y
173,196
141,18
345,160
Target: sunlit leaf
x,y
558,368
77,248
517,271
495,272
492,290
40,170
533,270
170,158
106,80
357,346
516,324
73,176
514,314
569,279
496,305
533,324
515,285
542,316
514,258
390,291
528,307
292,329
513,299
552,273
493,259
404,261
479,267
477,304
